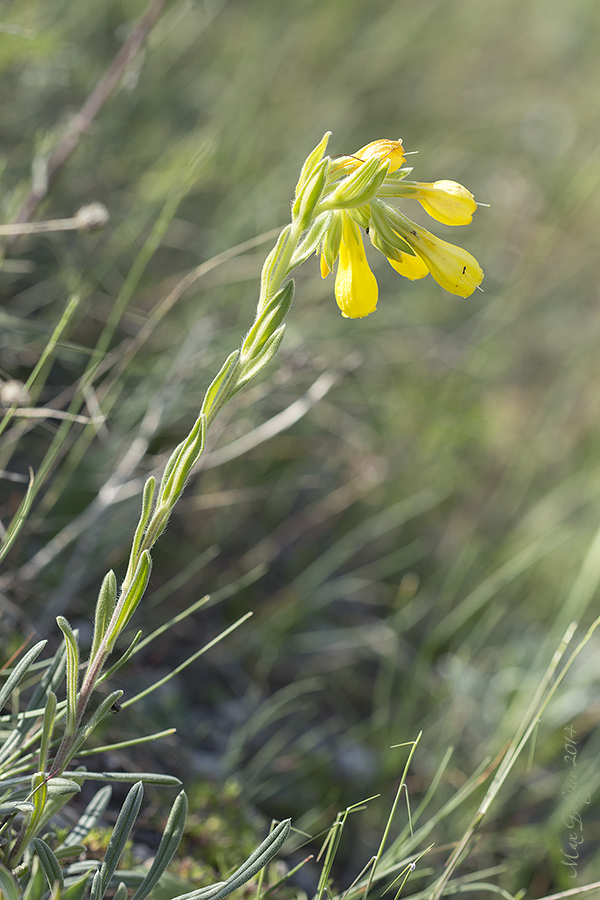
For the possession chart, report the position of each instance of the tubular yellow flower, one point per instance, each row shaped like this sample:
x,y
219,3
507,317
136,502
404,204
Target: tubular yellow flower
x,y
412,267
446,201
354,197
384,149
452,267
355,284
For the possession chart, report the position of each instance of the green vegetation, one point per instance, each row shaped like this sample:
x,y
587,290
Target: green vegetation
x,y
416,536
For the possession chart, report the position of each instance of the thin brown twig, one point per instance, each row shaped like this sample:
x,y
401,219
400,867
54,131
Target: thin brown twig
x,y
84,118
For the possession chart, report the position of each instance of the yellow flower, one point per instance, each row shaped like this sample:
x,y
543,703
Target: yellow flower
x,y
355,285
446,201
384,149
412,267
454,268
390,231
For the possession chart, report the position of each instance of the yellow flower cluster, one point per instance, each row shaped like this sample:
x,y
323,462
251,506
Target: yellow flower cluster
x,y
411,250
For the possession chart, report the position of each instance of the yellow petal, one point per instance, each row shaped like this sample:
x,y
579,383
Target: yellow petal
x,y
385,149
451,266
325,270
412,267
355,284
447,201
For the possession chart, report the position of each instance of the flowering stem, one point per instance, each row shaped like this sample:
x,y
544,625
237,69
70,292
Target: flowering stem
x,y
257,348
334,198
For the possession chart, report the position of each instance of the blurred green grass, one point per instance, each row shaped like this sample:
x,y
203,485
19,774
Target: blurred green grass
x,y
427,526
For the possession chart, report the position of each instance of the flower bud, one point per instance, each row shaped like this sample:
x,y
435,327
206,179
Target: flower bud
x,y
385,150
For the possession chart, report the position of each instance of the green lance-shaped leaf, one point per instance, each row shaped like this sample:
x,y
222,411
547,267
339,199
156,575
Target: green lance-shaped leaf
x,y
63,852
19,672
75,890
362,215
59,793
121,892
306,203
255,862
50,680
13,807
147,501
39,795
128,604
47,728
105,606
8,886
49,863
310,164
382,233
72,651
178,468
168,845
128,777
122,830
392,186
266,324
83,867
89,817
59,787
220,390
312,239
332,241
260,360
390,250
393,217
359,187
269,269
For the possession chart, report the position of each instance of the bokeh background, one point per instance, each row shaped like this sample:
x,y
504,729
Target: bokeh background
x,y
413,547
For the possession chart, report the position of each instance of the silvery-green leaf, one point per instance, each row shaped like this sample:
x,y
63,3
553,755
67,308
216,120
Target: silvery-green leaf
x,y
49,863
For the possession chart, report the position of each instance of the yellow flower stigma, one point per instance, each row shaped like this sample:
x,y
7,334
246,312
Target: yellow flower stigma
x,y
384,149
446,201
355,285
